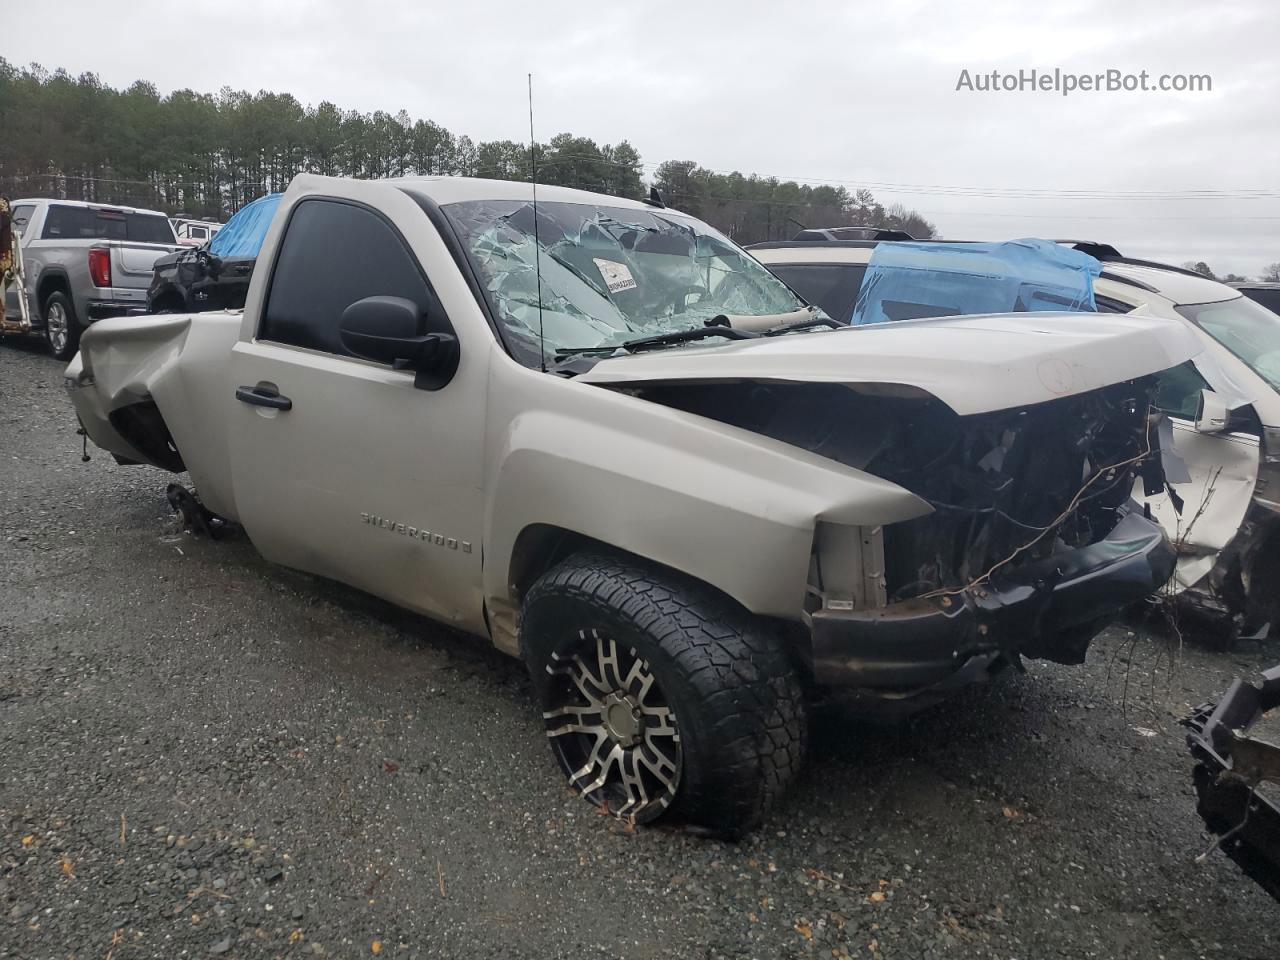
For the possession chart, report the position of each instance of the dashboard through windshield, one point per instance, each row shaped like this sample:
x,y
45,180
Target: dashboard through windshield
x,y
607,274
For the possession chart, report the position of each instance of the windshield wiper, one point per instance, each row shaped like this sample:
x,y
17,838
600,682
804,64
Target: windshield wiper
x,y
805,325
661,340
684,336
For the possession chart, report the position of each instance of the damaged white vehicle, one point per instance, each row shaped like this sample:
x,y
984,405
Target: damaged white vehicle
x,y
638,461
1220,506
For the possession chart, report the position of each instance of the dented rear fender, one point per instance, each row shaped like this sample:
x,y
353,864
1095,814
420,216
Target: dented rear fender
x,y
156,390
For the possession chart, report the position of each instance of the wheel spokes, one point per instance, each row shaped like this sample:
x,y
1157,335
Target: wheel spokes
x,y
632,783
614,755
662,769
576,717
607,661
617,739
601,739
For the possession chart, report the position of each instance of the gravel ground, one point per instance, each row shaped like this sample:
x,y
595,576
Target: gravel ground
x,y
205,755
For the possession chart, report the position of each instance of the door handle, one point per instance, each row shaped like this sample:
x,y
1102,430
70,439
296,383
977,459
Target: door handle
x,y
261,397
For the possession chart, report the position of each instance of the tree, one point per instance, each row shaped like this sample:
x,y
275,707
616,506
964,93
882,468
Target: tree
x,y
209,154
1200,267
1271,273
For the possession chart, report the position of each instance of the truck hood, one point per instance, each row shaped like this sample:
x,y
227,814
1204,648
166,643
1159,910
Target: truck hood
x,y
973,364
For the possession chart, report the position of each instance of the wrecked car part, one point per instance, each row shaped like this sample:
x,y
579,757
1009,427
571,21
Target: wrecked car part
x,y
599,276
1202,518
1032,546
1050,610
1230,768
1019,364
196,517
142,426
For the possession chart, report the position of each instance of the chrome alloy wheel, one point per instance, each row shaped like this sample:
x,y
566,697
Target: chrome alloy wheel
x,y
56,326
612,729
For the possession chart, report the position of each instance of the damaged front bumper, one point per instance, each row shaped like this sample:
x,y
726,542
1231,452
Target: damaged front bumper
x,y
1230,765
1050,609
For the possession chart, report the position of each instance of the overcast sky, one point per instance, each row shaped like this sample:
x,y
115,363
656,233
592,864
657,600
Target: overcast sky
x,y
863,93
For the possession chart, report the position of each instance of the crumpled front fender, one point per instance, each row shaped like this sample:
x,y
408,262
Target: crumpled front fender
x,y
727,506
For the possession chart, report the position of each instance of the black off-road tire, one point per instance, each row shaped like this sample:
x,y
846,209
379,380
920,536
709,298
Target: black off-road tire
x,y
64,340
736,695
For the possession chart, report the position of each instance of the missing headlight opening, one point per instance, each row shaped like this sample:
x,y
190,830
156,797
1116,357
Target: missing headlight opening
x,y
1015,495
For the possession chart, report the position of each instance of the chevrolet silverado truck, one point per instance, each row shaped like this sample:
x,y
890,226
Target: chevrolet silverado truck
x,y
83,262
600,436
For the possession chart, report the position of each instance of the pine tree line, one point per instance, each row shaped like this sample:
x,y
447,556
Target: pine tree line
x,y
206,155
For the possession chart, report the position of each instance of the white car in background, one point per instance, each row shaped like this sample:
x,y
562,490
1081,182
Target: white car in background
x,y
1227,529
195,233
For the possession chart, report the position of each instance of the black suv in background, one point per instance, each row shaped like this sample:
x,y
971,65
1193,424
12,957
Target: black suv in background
x,y
192,281
1267,294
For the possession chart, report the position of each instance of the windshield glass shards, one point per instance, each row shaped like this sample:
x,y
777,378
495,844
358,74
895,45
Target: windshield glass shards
x,y
608,274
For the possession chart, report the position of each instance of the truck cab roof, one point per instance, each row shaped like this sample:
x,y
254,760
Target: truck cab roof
x,y
442,190
88,205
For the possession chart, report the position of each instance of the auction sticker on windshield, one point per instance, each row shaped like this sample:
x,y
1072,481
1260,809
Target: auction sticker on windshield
x,y
617,277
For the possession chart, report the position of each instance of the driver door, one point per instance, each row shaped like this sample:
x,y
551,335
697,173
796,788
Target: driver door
x,y
341,467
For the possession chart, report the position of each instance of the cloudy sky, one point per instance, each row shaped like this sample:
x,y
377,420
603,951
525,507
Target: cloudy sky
x,y
858,93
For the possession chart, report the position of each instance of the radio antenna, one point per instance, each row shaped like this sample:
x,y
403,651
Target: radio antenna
x,y
537,245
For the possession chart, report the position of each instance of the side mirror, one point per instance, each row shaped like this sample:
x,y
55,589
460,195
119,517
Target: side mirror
x,y
389,330
1213,413
210,265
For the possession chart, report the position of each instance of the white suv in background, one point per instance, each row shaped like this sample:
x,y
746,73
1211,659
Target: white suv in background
x,y
1228,528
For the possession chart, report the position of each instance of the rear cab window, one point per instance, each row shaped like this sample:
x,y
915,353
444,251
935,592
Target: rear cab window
x,y
63,222
21,216
333,254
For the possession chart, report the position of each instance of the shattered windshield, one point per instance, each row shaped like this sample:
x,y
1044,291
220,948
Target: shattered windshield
x,y
608,274
1246,328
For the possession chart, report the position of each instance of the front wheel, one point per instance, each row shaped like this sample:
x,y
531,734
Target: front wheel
x,y
61,328
660,693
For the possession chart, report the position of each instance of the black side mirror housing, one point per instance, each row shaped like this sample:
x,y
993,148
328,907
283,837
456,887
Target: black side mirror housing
x,y
208,264
390,330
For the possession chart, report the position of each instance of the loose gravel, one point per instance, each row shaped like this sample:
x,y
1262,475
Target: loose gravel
x,y
204,755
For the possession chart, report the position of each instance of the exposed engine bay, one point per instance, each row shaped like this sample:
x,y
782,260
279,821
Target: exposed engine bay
x,y
1008,487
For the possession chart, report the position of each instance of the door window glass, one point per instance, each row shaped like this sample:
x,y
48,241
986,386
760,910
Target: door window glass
x,y
332,255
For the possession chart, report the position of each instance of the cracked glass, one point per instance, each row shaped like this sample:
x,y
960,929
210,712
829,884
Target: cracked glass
x,y
608,274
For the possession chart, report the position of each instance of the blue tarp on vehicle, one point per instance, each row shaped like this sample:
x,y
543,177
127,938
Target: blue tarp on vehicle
x,y
244,232
906,281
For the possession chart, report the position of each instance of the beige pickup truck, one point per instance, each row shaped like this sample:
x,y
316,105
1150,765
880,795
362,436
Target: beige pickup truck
x,y
597,434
